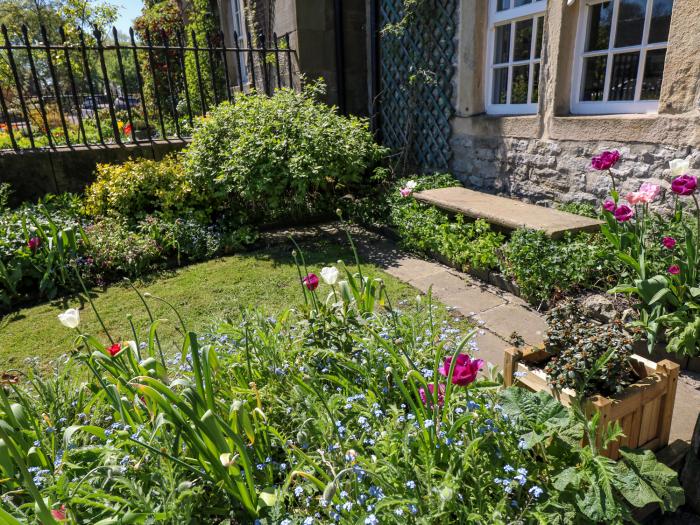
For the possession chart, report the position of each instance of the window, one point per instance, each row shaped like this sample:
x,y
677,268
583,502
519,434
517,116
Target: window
x,y
620,52
514,54
239,26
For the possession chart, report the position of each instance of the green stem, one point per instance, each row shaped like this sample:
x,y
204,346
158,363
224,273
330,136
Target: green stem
x,y
94,309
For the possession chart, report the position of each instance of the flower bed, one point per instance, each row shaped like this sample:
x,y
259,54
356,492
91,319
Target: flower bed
x,y
344,411
143,215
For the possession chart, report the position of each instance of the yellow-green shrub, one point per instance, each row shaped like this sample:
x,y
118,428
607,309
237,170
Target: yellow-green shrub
x,y
140,187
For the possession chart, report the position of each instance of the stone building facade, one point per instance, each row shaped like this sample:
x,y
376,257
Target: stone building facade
x,y
542,85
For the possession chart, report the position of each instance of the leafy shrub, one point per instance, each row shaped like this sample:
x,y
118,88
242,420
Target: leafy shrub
x,y
426,229
267,157
577,343
580,208
543,267
115,250
316,415
140,187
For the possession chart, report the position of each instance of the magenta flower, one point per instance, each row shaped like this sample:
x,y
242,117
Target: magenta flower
x,y
311,281
674,269
405,192
669,242
684,185
34,243
431,387
623,213
465,370
609,205
605,160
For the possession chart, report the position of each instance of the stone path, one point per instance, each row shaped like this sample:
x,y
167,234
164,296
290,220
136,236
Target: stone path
x,y
500,315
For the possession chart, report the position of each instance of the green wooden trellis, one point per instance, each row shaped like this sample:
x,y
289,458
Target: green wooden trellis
x,y
416,69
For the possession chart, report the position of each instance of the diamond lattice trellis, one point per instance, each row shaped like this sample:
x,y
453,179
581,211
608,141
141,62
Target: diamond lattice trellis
x,y
416,81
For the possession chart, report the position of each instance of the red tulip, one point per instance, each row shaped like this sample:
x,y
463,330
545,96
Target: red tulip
x,y
605,160
431,387
114,349
311,281
34,243
465,370
623,213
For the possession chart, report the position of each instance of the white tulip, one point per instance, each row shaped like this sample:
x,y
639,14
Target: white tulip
x,y
70,318
411,184
329,274
679,167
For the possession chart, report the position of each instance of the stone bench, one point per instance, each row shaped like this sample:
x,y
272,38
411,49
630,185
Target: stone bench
x,y
507,213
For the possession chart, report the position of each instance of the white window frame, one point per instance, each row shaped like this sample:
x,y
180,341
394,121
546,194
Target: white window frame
x,y
497,18
239,27
608,107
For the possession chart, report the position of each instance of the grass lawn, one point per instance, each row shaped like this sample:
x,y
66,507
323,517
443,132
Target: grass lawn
x,y
203,293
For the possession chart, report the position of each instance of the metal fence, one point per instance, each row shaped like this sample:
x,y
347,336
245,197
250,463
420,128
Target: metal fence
x,y
87,90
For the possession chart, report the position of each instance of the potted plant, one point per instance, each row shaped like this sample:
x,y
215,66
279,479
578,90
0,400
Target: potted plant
x,y
582,360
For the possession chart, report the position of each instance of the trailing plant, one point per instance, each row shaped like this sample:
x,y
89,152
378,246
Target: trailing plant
x,y
577,343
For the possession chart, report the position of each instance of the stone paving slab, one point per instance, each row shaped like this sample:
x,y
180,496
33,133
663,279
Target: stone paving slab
x,y
507,213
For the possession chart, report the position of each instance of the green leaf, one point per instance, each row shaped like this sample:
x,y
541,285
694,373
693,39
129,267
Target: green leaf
x,y
533,409
642,479
566,477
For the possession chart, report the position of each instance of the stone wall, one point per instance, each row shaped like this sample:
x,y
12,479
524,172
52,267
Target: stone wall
x,y
544,157
33,174
546,171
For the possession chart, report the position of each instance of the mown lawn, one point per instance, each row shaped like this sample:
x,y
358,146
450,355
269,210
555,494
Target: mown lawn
x,y
202,293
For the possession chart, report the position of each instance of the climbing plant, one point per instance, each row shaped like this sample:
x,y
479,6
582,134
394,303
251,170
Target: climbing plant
x,y
417,51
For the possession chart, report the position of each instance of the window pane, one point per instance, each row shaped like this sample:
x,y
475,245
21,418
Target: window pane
x,y
535,82
523,40
518,93
503,5
539,32
518,3
623,78
599,25
594,78
501,50
660,20
653,73
500,85
630,22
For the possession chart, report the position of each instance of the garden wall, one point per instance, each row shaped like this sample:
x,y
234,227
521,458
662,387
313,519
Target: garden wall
x,y
33,174
544,171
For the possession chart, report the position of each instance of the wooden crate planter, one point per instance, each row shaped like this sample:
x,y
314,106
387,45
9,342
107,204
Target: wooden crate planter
x,y
644,409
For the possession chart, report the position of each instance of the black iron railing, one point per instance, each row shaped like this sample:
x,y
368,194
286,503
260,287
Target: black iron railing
x,y
86,90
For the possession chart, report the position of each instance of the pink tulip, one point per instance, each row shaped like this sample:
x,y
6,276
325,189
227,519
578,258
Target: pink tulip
x,y
405,192
431,387
669,242
59,514
684,185
649,191
465,370
609,205
605,160
674,269
311,281
623,213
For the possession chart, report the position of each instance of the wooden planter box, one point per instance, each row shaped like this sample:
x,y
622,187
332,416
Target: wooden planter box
x,y
644,409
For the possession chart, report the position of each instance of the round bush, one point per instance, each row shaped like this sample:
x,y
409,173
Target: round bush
x,y
264,157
